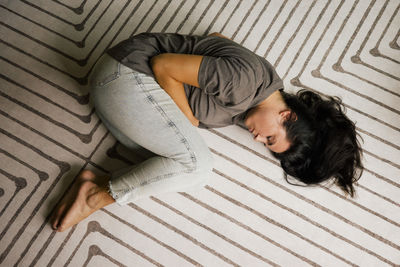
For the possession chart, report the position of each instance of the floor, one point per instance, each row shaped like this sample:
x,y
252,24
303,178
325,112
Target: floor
x,y
248,215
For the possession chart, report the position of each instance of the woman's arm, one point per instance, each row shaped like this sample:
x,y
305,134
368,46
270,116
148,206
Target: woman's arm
x,y
171,72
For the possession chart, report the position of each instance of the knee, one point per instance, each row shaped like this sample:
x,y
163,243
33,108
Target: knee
x,y
196,158
204,162
203,170
206,169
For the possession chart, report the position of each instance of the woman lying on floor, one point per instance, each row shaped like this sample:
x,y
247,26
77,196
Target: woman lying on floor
x,y
152,89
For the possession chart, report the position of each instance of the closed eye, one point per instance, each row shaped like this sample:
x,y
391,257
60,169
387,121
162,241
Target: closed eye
x,y
270,140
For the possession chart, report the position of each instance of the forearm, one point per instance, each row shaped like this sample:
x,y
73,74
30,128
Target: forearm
x,y
176,91
174,88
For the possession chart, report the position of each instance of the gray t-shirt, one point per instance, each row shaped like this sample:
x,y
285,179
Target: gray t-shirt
x,y
232,79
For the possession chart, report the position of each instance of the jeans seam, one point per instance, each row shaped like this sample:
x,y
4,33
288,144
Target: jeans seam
x,y
169,122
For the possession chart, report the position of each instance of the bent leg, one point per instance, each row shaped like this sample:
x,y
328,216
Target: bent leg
x,y
135,108
137,111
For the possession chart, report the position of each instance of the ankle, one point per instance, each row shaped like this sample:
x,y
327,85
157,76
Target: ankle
x,y
99,197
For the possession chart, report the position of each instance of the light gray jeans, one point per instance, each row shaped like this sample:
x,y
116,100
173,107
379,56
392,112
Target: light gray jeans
x,y
136,110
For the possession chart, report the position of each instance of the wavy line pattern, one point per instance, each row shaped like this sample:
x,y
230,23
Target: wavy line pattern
x,y
248,215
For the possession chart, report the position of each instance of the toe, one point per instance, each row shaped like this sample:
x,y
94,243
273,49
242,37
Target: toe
x,y
87,174
60,228
66,221
56,217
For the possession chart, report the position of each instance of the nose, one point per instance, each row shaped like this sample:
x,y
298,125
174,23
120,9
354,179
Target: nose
x,y
260,138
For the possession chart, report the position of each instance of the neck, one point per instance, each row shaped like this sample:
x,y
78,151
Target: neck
x,y
274,101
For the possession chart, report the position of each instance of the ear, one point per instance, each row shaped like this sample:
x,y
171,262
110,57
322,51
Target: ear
x,y
288,115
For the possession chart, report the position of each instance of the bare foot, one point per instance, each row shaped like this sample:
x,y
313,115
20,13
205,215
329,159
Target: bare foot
x,y
83,198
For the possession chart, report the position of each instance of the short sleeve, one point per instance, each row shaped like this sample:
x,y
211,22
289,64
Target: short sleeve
x,y
229,80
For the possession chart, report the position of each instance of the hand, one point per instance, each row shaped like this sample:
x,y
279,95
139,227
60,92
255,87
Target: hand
x,y
195,121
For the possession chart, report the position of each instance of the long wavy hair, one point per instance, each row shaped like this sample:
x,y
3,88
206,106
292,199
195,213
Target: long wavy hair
x,y
323,141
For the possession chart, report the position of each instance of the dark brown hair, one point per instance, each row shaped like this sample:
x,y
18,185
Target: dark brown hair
x,y
323,141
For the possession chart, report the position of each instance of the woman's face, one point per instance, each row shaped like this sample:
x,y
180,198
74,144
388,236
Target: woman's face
x,y
267,127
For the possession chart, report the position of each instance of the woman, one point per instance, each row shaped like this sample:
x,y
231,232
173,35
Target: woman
x,y
153,88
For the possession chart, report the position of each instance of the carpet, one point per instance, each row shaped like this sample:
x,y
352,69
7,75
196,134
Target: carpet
x,y
248,215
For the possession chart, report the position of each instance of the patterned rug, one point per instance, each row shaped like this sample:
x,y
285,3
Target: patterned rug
x,y
248,215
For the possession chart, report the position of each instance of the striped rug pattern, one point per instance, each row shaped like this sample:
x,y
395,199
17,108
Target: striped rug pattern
x,y
248,215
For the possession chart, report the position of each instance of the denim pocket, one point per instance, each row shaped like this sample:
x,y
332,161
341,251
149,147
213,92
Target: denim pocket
x,y
111,77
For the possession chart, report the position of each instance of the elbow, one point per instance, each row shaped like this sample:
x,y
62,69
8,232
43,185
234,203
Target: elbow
x,y
158,65
217,34
155,64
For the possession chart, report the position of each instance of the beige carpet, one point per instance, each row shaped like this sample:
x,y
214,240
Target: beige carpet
x,y
248,215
